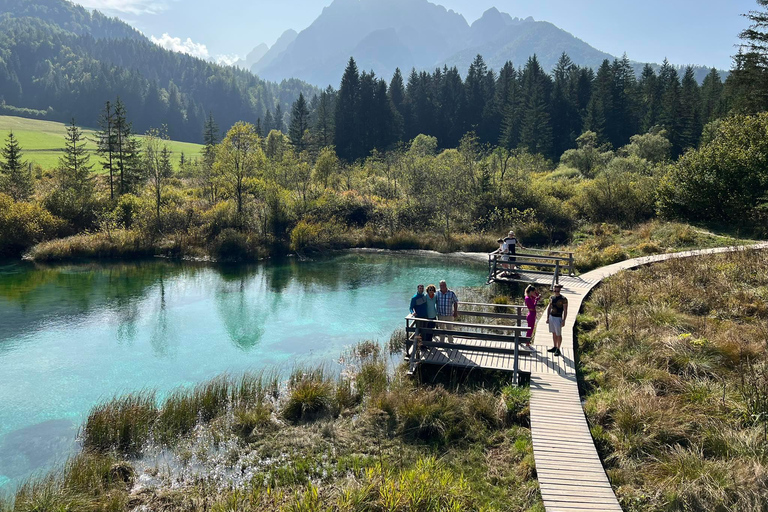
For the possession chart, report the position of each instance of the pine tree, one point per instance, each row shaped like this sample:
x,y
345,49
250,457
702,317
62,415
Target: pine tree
x,y
397,96
126,150
711,97
299,124
106,142
72,198
15,175
511,103
650,99
347,103
690,110
278,119
157,164
669,115
535,126
563,110
324,126
269,122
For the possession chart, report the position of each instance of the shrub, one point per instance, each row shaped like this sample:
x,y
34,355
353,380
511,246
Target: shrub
x,y
231,245
23,225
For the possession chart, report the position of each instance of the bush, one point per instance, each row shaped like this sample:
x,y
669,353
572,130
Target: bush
x,y
23,225
231,245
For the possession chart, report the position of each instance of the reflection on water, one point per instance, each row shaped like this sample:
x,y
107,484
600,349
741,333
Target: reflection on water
x,y
71,336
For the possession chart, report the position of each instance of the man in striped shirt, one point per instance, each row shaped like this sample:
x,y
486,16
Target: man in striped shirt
x,y
447,308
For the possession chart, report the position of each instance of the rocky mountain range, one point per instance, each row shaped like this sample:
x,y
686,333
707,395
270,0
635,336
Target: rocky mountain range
x,y
406,34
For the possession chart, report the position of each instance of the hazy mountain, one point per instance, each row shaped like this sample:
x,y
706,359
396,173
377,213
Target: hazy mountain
x,y
282,43
253,56
500,38
382,35
386,34
416,33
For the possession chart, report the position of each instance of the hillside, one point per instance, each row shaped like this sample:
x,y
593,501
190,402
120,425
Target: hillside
x,y
60,59
42,142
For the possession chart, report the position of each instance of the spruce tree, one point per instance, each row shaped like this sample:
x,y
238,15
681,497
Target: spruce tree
x,y
72,198
397,96
278,119
535,126
106,142
347,103
299,124
690,110
269,122
711,97
325,118
15,174
126,150
669,115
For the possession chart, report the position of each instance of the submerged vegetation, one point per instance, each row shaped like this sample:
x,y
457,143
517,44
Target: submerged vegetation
x,y
676,373
363,439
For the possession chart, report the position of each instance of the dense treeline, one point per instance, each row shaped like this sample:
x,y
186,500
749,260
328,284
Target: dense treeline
x,y
67,74
519,107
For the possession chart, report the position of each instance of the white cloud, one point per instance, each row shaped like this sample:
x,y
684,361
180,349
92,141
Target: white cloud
x,y
126,6
226,60
175,44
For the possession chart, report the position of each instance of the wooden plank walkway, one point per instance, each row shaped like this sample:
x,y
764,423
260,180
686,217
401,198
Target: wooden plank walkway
x,y
571,476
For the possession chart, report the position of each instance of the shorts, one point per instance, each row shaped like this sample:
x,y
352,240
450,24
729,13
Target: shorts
x,y
556,325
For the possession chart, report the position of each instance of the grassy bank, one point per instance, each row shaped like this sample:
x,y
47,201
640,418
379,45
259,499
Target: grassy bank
x,y
362,439
594,245
676,374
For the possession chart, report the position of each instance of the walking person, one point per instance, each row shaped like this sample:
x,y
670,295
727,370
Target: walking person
x,y
556,313
447,308
531,301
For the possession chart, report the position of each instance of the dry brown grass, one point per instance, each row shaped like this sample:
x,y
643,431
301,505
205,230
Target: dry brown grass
x,y
673,357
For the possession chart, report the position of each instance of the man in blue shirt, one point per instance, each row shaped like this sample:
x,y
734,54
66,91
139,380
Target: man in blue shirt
x,y
419,307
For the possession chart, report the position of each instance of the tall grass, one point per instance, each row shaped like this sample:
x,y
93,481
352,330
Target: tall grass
x,y
673,360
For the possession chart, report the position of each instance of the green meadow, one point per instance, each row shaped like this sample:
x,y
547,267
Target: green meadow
x,y
42,142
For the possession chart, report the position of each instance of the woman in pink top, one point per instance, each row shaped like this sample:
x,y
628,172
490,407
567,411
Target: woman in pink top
x,y
531,300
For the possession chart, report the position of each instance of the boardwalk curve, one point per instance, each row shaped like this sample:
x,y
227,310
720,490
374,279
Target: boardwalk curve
x,y
571,476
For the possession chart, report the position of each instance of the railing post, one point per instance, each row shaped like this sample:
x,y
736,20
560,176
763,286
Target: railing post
x,y
557,271
514,371
570,264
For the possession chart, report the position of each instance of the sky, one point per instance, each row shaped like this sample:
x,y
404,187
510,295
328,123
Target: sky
x,y
700,32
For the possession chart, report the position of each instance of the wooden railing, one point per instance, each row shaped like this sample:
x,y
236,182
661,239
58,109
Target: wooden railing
x,y
534,261
508,328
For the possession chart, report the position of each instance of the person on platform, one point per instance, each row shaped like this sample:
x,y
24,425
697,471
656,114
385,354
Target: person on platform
x,y
531,301
418,309
447,308
431,311
557,311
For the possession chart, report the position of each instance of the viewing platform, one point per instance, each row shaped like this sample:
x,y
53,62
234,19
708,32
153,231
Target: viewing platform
x,y
495,340
536,266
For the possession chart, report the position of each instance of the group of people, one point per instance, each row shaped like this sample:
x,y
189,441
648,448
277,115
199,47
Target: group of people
x,y
435,305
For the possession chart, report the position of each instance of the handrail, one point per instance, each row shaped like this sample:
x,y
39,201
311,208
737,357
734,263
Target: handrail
x,y
491,305
465,324
532,260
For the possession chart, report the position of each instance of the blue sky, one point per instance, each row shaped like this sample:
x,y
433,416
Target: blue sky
x,y
685,31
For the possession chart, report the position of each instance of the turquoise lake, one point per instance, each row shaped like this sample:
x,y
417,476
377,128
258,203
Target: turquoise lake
x,y
74,335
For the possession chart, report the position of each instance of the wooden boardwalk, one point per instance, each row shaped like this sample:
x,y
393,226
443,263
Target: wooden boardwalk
x,y
570,474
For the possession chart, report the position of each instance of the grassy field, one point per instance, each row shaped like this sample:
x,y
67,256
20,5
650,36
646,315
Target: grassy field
x,y
42,142
675,368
